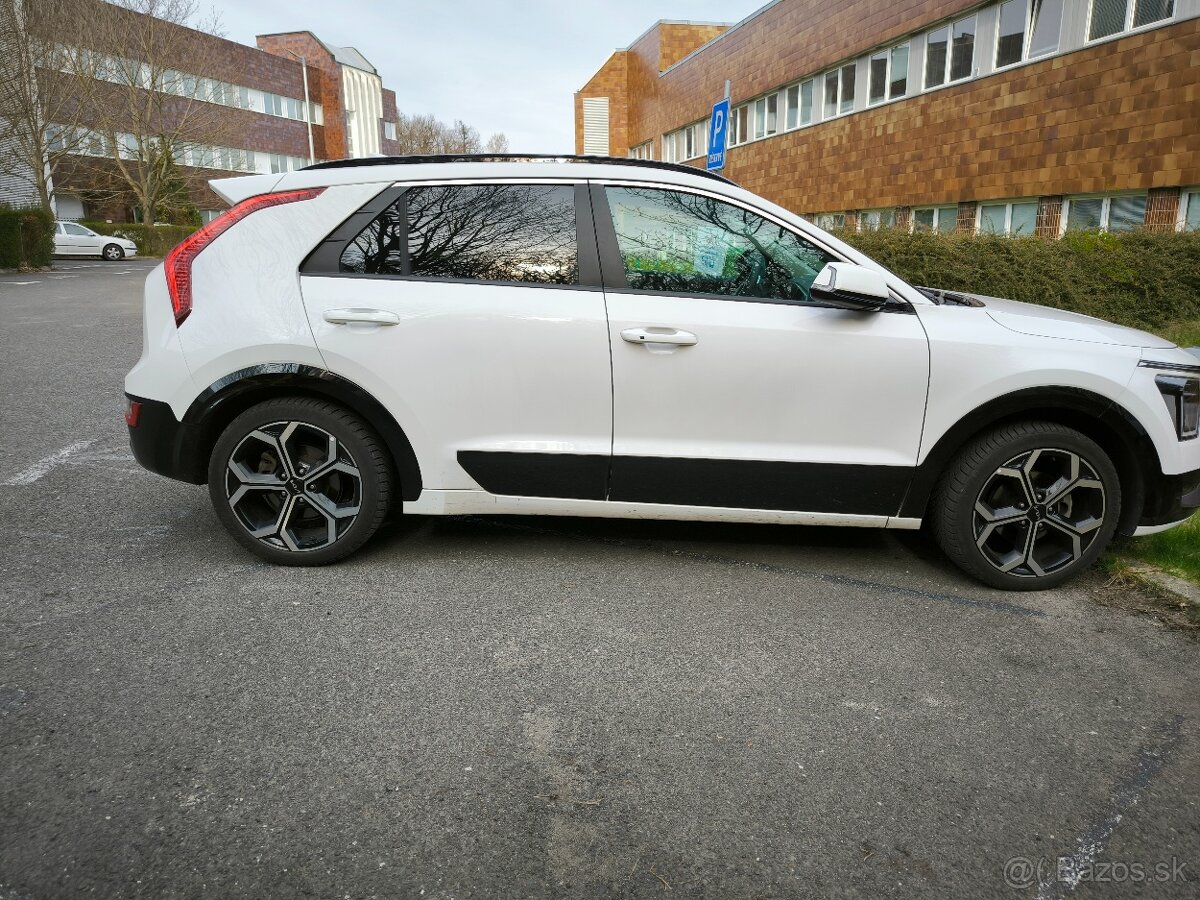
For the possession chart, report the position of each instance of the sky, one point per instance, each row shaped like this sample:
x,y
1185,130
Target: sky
x,y
499,65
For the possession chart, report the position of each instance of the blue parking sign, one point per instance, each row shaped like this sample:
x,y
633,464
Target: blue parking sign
x,y
718,130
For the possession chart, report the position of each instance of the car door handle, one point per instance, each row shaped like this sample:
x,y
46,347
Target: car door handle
x,y
659,336
363,316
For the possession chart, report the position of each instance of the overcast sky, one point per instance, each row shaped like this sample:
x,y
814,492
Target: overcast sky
x,y
500,65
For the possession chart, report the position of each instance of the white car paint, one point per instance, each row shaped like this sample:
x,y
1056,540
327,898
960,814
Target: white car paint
x,y
488,367
73,239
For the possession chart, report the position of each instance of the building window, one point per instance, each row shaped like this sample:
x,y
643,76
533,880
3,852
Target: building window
x,y
799,105
740,132
889,75
1122,212
1109,17
831,221
1189,210
1027,29
942,219
839,91
389,131
643,151
874,219
1018,218
686,143
950,53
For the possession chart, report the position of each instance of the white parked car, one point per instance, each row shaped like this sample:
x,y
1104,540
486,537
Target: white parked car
x,y
73,239
621,338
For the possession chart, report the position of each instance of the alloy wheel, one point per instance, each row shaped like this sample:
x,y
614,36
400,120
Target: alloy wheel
x,y
112,252
1039,512
293,486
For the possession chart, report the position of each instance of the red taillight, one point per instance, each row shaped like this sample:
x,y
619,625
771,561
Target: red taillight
x,y
179,261
133,411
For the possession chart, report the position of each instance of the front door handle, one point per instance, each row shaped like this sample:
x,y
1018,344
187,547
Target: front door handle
x,y
659,336
361,316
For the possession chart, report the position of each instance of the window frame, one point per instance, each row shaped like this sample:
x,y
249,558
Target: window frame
x,y
1129,28
839,71
888,55
1026,39
1186,197
949,27
325,260
1105,209
1008,213
937,211
644,150
613,265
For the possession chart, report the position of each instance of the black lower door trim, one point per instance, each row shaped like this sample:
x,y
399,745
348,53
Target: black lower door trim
x,y
574,476
726,483
760,484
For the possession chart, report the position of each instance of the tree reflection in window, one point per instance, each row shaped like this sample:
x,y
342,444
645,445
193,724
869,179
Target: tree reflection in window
x,y
376,250
485,232
678,243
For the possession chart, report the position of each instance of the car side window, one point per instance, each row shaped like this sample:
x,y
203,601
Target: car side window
x,y
77,230
673,242
483,232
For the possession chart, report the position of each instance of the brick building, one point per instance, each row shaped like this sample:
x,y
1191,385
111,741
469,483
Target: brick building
x,y
259,94
1008,117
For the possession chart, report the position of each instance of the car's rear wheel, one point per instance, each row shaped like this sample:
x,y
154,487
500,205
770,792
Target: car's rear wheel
x,y
300,482
113,252
1027,506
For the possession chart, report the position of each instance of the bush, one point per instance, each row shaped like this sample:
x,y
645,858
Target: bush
x,y
26,238
155,240
1139,278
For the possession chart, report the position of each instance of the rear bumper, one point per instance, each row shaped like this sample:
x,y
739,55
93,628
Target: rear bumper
x,y
163,444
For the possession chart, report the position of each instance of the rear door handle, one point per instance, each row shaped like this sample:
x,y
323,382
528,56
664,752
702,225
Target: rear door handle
x,y
659,336
364,316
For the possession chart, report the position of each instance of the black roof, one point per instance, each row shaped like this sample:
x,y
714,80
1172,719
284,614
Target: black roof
x,y
513,157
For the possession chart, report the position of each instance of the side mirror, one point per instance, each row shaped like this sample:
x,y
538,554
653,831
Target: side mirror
x,y
847,286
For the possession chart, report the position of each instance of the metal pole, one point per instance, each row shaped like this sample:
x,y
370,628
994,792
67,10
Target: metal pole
x,y
308,112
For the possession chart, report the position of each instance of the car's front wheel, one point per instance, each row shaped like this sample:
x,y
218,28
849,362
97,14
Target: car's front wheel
x,y
113,252
300,482
1027,506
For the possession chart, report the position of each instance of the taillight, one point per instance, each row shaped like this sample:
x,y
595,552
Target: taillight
x,y
179,261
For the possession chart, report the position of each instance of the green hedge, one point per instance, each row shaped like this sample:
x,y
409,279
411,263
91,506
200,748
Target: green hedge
x,y
156,240
1138,278
26,238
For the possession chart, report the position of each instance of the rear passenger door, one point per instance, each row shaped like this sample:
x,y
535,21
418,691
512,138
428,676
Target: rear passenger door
x,y
474,312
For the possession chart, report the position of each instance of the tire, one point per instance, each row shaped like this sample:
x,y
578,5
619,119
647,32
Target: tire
x,y
113,252
1027,506
300,482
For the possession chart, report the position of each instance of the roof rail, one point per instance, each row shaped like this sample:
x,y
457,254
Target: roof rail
x,y
513,157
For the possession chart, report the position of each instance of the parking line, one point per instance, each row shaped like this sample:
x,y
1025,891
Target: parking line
x,y
42,466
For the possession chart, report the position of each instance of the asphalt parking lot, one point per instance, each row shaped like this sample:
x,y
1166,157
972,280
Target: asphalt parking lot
x,y
535,708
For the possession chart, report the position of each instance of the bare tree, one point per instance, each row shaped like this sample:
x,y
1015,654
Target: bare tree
x,y
39,107
424,134
152,123
462,138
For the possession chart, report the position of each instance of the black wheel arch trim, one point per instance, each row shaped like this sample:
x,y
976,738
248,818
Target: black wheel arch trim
x,y
1095,415
221,401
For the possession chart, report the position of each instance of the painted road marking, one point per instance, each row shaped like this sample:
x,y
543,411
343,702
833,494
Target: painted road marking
x,y
42,466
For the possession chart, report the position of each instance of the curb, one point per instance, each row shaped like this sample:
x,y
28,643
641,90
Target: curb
x,y
1175,587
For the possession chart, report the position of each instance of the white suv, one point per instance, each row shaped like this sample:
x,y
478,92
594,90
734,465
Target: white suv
x,y
611,337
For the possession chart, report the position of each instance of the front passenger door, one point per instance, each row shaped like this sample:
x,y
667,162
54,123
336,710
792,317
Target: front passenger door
x,y
731,388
